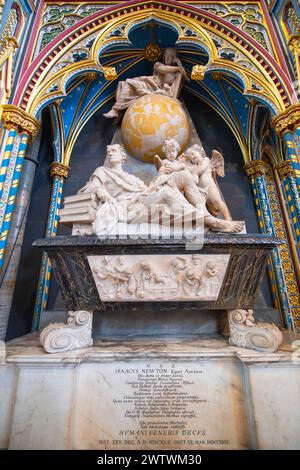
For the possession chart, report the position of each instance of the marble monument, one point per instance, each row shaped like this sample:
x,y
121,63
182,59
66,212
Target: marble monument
x,y
114,205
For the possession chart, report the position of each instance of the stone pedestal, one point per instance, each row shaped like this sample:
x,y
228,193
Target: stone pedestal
x,y
149,394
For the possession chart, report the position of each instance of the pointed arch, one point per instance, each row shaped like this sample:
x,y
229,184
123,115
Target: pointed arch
x,y
230,50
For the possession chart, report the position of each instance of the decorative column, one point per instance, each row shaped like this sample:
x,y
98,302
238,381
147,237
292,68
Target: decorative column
x,y
287,252
8,274
287,125
287,175
256,173
9,144
294,41
27,126
58,172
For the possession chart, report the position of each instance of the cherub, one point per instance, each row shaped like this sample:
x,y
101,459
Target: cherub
x,y
169,165
193,276
178,266
210,272
205,171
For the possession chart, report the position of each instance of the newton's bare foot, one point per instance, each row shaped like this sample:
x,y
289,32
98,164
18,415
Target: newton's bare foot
x,y
227,226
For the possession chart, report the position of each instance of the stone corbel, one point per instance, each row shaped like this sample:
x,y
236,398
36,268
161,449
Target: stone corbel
x,y
288,120
245,333
16,118
61,337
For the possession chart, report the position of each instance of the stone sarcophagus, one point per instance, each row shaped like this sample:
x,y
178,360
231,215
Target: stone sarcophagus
x,y
96,275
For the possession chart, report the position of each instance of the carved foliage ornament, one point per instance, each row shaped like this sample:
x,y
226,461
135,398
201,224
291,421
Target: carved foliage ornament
x,y
255,169
153,52
198,72
110,73
288,120
285,169
15,117
59,170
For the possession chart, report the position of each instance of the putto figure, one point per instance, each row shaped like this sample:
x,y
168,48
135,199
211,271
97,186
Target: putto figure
x,y
166,80
205,171
169,165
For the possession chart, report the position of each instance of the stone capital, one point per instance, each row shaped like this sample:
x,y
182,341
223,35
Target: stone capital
x,y
16,118
255,168
285,169
288,120
294,43
59,170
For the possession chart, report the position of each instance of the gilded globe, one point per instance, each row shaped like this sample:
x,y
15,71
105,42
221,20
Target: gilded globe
x,y
149,121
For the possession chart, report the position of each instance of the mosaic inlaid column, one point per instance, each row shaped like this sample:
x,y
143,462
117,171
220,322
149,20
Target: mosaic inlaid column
x,y
27,127
288,178
5,158
287,253
287,125
59,173
8,274
294,41
256,173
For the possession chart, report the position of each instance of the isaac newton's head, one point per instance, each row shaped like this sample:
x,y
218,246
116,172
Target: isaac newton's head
x,y
116,154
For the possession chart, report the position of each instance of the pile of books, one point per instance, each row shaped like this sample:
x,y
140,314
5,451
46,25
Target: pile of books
x,y
79,209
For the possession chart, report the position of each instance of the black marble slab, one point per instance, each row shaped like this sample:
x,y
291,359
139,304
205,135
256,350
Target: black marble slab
x,y
246,267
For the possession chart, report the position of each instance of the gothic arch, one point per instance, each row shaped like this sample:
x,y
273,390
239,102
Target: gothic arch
x,y
47,78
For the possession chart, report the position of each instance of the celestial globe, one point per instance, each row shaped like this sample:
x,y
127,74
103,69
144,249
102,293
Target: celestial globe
x,y
149,121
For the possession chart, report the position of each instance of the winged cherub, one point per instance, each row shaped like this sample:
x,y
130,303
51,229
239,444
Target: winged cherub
x,y
205,171
169,165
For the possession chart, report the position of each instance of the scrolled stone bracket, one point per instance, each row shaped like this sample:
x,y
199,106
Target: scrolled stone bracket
x,y
245,333
61,337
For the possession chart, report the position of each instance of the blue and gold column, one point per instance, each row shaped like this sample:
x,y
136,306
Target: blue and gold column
x,y
287,176
287,252
256,172
58,173
287,126
9,144
26,126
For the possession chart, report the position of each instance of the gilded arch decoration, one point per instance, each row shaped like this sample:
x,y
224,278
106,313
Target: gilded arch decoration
x,y
230,50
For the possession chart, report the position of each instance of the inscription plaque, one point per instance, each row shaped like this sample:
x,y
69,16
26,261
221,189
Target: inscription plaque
x,y
155,405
